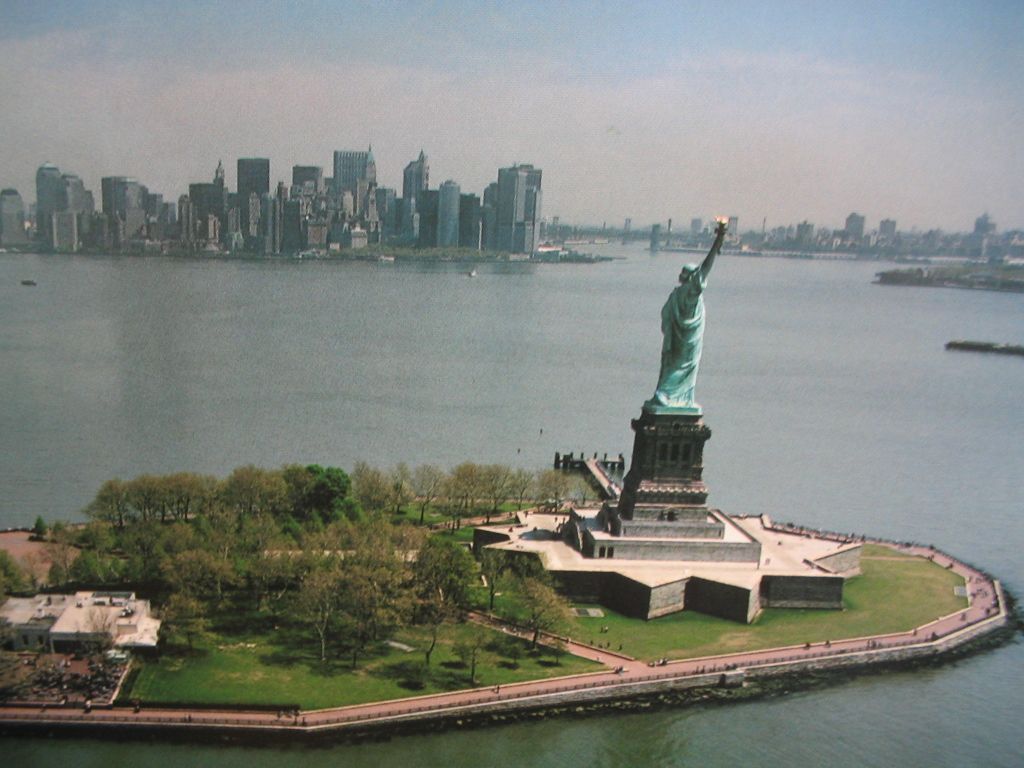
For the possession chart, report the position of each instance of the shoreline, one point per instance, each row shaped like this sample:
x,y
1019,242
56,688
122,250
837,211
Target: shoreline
x,y
712,679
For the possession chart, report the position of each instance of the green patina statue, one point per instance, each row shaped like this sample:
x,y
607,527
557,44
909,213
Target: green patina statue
x,y
682,323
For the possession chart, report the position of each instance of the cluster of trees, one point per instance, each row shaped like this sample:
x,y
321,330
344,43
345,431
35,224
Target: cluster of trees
x,y
467,490
307,545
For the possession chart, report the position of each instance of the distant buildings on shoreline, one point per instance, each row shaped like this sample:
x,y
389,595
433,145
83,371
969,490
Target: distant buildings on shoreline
x,y
350,210
346,211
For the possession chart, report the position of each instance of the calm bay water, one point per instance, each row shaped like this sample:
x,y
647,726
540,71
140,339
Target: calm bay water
x,y
831,400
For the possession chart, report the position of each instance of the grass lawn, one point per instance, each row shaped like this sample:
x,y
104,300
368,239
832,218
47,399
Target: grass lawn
x,y
895,592
255,664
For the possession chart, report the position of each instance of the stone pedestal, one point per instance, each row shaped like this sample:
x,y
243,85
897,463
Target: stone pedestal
x,y
664,487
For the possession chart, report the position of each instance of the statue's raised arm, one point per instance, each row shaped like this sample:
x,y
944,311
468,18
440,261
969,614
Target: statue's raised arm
x,y
709,260
682,323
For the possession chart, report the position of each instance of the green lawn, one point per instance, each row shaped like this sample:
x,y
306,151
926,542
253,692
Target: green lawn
x,y
281,667
895,593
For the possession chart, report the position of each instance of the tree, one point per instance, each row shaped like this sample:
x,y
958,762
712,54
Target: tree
x,y
317,602
427,481
468,649
40,528
185,616
12,577
373,575
580,490
318,494
111,504
197,573
494,483
544,609
553,486
443,572
400,490
520,484
250,490
462,488
370,486
493,565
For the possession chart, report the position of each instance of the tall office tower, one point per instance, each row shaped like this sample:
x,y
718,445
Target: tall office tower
x,y
734,226
887,228
427,206
695,226
469,221
124,206
518,210
448,214
312,175
415,177
805,233
12,218
627,225
855,226
387,210
489,218
352,166
76,197
64,226
186,220
49,199
253,179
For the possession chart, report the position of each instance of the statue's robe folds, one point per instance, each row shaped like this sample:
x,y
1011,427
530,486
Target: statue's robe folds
x,y
682,323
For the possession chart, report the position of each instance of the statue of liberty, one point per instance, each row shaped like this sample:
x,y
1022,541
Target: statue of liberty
x,y
682,323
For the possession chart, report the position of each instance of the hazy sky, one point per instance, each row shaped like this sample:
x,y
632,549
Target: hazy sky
x,y
782,110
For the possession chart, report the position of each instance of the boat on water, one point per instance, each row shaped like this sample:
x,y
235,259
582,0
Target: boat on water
x,y
471,273
28,282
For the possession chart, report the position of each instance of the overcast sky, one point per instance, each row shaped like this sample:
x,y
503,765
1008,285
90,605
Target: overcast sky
x,y
782,110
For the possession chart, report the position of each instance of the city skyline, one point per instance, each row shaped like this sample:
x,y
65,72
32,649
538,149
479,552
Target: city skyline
x,y
894,111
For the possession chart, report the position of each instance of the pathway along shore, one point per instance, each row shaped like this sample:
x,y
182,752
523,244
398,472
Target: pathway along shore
x,y
625,680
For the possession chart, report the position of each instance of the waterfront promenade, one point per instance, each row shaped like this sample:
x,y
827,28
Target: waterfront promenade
x,y
622,677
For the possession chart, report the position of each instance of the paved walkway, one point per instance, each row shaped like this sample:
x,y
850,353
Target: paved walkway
x,y
986,604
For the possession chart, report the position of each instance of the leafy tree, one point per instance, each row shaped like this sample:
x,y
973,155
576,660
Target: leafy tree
x,y
553,485
462,488
61,553
185,616
494,486
427,482
197,573
317,493
370,487
493,565
544,610
317,602
91,567
520,484
12,576
111,504
400,490
443,572
373,598
40,528
468,650
250,490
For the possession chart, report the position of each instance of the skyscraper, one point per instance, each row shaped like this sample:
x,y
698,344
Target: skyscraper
x,y
416,177
518,209
427,207
887,228
352,166
253,179
469,221
123,200
855,226
312,175
12,218
49,200
448,214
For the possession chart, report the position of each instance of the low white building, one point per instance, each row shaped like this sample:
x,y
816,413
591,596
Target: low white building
x,y
68,623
